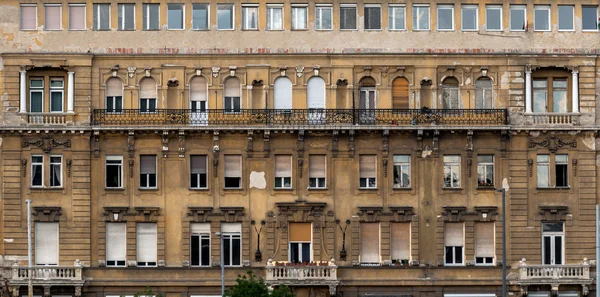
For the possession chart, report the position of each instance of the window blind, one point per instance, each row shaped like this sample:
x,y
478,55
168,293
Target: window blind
x,y
369,242
200,228
116,243
148,88
453,234
368,166
283,166
231,228
232,87
146,242
198,164
316,166
114,87
300,232
400,241
52,17
233,166
400,93
484,239
46,243
316,92
198,89
77,17
29,17
283,93
147,164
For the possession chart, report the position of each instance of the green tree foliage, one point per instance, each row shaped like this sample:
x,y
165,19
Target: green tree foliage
x,y
250,285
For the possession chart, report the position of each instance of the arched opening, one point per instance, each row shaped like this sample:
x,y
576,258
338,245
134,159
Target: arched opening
x,y
400,93
114,95
316,100
232,95
148,95
198,101
450,96
483,93
283,93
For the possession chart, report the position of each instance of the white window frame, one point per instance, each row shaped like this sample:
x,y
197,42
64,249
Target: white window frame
x,y
182,17
116,264
294,21
98,5
36,90
485,171
320,21
401,172
454,263
240,177
555,173
270,17
60,176
493,7
445,6
137,244
493,244
462,18
84,16
21,15
540,164
60,16
452,166
417,7
368,179
545,8
232,17
41,164
572,16
515,7
282,178
148,109
596,18
231,235
552,235
147,6
148,174
120,176
318,178
207,16
380,16
201,235
245,19
121,7
394,7
198,178
300,244
60,90
57,244
355,18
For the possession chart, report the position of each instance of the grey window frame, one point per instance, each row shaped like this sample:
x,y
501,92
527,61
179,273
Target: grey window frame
x,y
493,7
173,5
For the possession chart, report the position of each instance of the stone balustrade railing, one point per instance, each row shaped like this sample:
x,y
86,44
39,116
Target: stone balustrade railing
x,y
572,271
299,272
553,118
47,119
48,273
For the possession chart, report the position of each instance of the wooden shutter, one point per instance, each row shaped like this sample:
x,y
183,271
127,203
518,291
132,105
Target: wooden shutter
x,y
233,166
317,166
29,17
198,164
368,166
116,244
77,17
147,164
300,232
369,242
114,87
283,166
46,243
231,228
484,239
400,233
232,87
52,17
283,93
146,242
148,88
200,228
400,93
453,234
198,89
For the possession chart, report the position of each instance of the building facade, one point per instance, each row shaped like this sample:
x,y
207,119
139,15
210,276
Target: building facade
x,y
347,148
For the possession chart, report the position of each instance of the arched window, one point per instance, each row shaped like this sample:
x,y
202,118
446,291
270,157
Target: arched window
x,y
400,93
450,97
283,93
483,93
148,95
232,94
367,93
316,93
114,95
198,94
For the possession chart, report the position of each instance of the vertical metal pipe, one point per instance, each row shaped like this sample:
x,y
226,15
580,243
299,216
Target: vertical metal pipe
x,y
29,270
597,246
222,269
503,242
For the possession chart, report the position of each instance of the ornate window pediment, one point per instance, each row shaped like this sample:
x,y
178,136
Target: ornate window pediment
x,y
232,214
115,213
147,213
486,213
402,213
370,213
553,212
199,213
46,213
454,213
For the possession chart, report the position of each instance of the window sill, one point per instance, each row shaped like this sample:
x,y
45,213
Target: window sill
x,y
402,189
318,189
200,29
368,189
283,189
486,188
553,189
148,189
150,29
198,189
131,30
114,189
452,189
46,188
233,189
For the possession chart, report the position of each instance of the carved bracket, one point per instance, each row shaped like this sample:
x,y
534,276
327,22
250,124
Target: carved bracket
x,y
436,143
115,213
454,213
300,144
131,168
267,143
469,163
552,143
301,211
165,143
385,142
530,167
486,213
96,144
351,145
574,167
503,143
131,143
385,167
147,213
69,164
232,214
369,214
402,213
181,149
470,144
300,167
47,213
334,142
419,141
553,212
199,213
250,143
24,167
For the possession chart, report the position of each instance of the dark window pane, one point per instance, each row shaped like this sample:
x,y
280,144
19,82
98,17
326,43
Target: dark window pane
x,y
305,252
458,254
112,176
203,180
143,180
561,175
294,253
236,251
449,255
36,102
36,179
589,17
558,250
194,180
152,182
547,250
232,182
227,250
205,249
195,250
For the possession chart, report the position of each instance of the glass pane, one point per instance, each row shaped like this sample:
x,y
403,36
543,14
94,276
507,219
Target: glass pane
x,y
485,159
36,175
562,158
543,158
154,15
227,250
104,16
298,18
562,175
57,83
113,173
56,101
224,17
205,251
547,250
542,18
517,19
543,177
36,83
565,17
306,252
36,102
589,17
401,158
396,18
539,101
348,18
274,20
451,159
449,258
560,100
494,18
129,16
326,18
445,18
458,254
469,18
372,18
200,17
294,254
175,16
195,250
558,250
552,227
236,251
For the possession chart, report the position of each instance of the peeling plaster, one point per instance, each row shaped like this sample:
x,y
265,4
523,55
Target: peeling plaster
x,y
257,180
534,133
505,184
426,153
8,240
589,141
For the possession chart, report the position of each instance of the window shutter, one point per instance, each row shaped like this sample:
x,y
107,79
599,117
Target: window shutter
x,y
316,92
146,242
148,164
484,239
400,241
148,88
114,87
198,89
200,228
283,93
52,17
317,166
232,87
300,232
77,17
116,244
46,243
368,166
400,93
28,17
231,228
233,166
453,234
283,166
369,242
198,164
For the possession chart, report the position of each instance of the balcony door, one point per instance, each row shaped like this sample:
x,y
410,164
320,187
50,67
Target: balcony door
x,y
300,242
316,100
553,239
367,105
198,101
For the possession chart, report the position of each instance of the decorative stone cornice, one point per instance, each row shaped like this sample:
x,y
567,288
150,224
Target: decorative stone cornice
x,y
402,213
301,211
232,214
370,213
486,213
552,143
147,213
47,213
199,213
115,213
454,213
553,212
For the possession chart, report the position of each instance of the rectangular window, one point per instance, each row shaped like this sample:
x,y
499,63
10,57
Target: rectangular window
x,y
200,16
56,171
116,244
150,16
518,17
559,95
233,171
485,171
420,17
126,17
175,16
400,241
46,243
566,19
283,172
493,17
317,169
250,16
77,17
37,171
36,94
469,17
323,17
453,244
348,17
148,171
561,164
372,17
484,243
57,92
146,244
114,171
232,104
541,18
198,172
589,18
401,171
147,104
232,244
200,244
445,17
540,95
553,243
543,171
451,171
397,17
368,171
300,247
52,17
225,17
28,17
101,16
275,17
299,17
369,243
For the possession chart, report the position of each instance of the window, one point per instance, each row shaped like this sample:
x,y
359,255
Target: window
x,y
36,94
493,17
317,169
200,244
453,244
543,171
420,17
561,172
445,17
451,171
283,93
114,171
37,171
114,95
283,172
232,244
175,16
275,17
28,17
198,172
400,242
146,244
101,16
300,248
400,98
224,16
52,17
484,243
199,16
46,243
323,17
147,171
347,16
541,18
559,95
485,171
566,18
540,95
250,17
469,17
232,95
233,171
116,244
396,17
198,97
369,243
126,16
483,93
147,95
553,238
56,171
150,16
315,90
57,91
450,94
401,171
550,94
77,17
372,17
589,18
299,17
518,18
368,171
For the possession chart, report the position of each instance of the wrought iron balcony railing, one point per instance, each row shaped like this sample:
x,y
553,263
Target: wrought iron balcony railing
x,y
300,117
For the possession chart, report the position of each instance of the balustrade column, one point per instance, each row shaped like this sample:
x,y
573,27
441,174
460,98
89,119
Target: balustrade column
x,y
528,98
23,92
575,81
70,90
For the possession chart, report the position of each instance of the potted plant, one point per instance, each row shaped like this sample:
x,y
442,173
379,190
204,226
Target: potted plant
x,y
404,262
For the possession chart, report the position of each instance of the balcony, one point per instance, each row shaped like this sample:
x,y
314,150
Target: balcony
x,y
554,275
301,117
553,118
49,119
312,274
48,276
